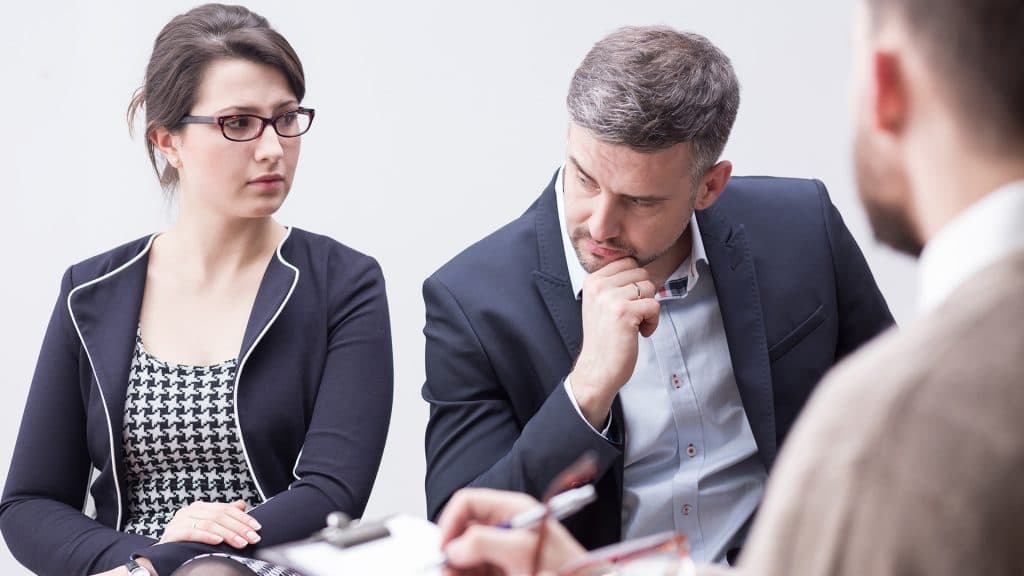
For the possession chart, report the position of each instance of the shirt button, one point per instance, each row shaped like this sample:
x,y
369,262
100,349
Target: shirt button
x,y
685,509
691,450
675,381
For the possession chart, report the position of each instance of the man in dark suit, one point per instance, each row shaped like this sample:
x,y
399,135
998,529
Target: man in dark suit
x,y
646,308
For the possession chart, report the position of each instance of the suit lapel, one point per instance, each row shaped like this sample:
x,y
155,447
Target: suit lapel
x,y
274,291
105,312
552,278
732,268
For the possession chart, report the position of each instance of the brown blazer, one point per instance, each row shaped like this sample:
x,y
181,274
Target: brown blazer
x,y
909,460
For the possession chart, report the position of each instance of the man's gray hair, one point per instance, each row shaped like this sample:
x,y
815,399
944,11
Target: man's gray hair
x,y
652,87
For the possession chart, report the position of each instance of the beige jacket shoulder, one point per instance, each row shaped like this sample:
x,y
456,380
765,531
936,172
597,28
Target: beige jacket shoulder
x,y
910,457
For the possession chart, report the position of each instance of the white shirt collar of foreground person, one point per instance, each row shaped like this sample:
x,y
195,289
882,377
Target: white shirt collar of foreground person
x,y
987,231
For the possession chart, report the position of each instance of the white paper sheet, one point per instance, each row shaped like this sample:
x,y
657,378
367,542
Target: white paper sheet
x,y
413,549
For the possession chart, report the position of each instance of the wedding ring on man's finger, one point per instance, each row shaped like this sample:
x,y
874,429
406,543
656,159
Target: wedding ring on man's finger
x,y
637,286
195,523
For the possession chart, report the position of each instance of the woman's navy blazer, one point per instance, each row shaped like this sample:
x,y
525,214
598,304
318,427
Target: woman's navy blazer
x,y
313,395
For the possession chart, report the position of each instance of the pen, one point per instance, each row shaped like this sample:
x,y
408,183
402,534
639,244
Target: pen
x,y
562,505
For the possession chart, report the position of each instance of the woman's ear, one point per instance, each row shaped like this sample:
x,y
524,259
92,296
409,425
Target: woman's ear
x,y
169,144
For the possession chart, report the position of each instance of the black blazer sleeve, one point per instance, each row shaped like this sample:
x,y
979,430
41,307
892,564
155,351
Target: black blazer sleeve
x,y
345,439
41,512
863,312
476,436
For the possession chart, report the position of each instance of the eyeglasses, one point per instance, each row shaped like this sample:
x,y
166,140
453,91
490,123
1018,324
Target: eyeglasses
x,y
245,127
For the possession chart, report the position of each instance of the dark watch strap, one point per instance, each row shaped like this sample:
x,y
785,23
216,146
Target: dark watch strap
x,y
136,569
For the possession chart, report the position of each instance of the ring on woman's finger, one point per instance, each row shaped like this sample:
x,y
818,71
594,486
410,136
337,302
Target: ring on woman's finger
x,y
195,523
637,286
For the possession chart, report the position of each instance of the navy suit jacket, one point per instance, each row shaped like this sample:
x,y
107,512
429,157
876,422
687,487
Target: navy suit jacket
x,y
503,328
313,403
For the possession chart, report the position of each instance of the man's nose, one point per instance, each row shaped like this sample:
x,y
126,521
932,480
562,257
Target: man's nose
x,y
605,219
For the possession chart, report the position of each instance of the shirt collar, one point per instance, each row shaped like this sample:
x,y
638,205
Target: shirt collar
x,y
678,284
988,230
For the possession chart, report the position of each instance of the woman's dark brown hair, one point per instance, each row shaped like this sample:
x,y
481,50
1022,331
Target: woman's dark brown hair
x,y
183,50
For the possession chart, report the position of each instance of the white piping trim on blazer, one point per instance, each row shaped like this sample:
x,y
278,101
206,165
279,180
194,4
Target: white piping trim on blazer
x,y
241,365
295,468
103,399
88,484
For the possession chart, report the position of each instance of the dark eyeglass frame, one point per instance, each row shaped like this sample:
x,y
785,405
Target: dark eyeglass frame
x,y
221,120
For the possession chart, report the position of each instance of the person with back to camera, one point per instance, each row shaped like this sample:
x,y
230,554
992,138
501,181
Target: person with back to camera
x,y
230,378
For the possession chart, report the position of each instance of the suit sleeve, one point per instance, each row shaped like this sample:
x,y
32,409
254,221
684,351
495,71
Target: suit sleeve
x,y
345,439
863,312
41,512
474,437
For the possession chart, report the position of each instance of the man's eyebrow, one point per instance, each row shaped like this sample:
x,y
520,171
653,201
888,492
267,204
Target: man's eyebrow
x,y
575,163
658,198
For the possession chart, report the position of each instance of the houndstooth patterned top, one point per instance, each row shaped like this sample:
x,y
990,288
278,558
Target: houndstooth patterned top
x,y
181,444
180,440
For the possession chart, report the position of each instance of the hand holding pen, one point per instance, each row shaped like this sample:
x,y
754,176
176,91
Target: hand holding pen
x,y
560,507
472,539
477,526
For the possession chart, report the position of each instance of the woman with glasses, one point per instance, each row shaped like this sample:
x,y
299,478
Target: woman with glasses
x,y
229,379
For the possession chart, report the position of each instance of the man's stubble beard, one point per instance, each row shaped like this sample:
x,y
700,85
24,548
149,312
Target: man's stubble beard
x,y
877,182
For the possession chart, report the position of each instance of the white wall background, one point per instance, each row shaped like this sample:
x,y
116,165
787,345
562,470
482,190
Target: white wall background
x,y
436,123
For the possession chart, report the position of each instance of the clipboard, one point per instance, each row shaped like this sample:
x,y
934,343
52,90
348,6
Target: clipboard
x,y
401,545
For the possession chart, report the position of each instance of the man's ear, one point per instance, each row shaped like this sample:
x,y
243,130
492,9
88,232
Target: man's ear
x,y
168,144
712,185
890,96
